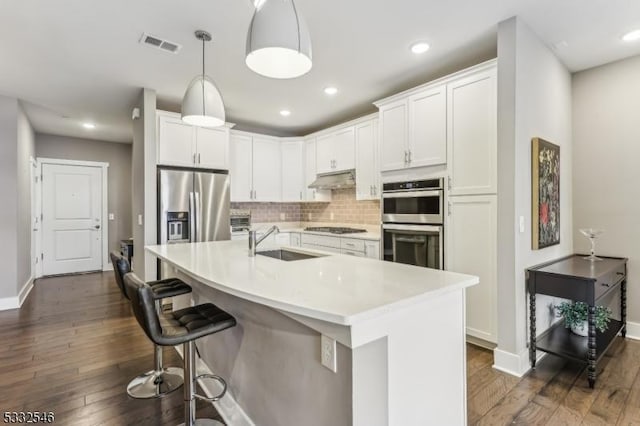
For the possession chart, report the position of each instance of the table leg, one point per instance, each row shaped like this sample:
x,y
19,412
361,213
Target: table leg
x,y
532,329
623,307
591,353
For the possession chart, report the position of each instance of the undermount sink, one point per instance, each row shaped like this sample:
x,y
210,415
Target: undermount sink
x,y
288,255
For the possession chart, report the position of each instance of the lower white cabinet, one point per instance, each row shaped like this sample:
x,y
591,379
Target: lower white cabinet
x,y
343,245
471,249
295,239
372,249
283,239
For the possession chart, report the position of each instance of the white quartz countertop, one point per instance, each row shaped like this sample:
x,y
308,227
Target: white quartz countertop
x,y
336,288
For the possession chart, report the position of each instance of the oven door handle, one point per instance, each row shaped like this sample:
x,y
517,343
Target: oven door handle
x,y
419,228
412,194
414,240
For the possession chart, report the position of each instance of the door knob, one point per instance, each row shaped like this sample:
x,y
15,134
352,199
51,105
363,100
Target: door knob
x,y
97,226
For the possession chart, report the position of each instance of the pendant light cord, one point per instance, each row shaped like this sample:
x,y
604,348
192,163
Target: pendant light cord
x,y
204,112
295,12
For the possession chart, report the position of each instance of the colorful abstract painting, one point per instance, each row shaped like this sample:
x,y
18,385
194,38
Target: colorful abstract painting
x,y
545,191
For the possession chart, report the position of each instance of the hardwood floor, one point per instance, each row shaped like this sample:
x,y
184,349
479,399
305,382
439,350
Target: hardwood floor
x,y
72,348
557,392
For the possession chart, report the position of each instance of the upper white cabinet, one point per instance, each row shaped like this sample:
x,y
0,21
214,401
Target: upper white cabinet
x,y
472,134
310,173
367,169
336,151
292,157
241,168
256,169
180,144
414,130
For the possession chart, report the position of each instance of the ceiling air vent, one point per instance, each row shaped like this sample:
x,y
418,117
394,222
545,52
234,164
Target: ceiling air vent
x,y
158,43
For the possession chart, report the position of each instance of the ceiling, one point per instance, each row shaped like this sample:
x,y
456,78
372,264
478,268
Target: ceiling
x,y
72,61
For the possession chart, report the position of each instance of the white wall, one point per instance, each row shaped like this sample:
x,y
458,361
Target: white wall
x,y
606,171
143,177
25,152
534,100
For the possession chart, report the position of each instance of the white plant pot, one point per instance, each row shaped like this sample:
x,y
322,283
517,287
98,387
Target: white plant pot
x,y
582,329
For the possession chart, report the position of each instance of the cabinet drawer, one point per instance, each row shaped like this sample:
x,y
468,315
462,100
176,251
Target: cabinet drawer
x,y
352,244
322,248
352,253
321,240
604,283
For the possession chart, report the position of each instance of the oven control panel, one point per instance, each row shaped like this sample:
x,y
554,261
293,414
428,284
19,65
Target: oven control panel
x,y
413,185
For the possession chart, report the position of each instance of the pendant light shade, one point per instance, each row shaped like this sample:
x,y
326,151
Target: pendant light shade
x,y
278,42
202,104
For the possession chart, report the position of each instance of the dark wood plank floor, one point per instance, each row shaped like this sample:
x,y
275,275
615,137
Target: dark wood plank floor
x,y
557,392
72,348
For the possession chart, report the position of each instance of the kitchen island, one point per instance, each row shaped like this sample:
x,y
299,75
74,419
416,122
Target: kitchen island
x,y
400,357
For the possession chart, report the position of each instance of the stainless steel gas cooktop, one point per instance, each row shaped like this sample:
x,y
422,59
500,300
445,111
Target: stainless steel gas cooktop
x,y
334,230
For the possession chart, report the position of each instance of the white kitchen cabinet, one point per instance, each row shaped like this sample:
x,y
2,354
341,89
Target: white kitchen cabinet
x,y
295,239
427,142
471,249
310,173
241,170
292,157
181,144
372,249
414,130
212,148
283,239
336,151
267,169
393,135
367,169
352,253
472,134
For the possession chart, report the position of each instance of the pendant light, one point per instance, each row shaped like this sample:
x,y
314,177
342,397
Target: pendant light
x,y
278,42
202,103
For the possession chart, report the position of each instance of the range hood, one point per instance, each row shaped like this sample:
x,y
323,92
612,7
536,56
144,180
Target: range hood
x,y
340,180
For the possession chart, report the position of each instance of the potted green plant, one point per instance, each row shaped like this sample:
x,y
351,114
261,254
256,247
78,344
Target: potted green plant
x,y
575,317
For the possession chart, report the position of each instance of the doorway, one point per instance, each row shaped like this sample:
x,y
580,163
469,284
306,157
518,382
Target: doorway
x,y
73,217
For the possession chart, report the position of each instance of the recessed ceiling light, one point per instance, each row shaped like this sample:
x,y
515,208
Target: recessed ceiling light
x,y
88,125
285,113
330,91
419,47
631,36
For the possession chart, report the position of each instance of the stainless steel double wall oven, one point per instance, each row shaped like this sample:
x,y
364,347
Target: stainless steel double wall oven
x,y
413,222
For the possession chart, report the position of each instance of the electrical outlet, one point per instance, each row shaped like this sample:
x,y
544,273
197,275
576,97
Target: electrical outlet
x,y
139,219
328,353
331,216
282,216
522,224
112,216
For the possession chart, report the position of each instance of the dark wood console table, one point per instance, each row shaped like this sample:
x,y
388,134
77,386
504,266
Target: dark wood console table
x,y
580,280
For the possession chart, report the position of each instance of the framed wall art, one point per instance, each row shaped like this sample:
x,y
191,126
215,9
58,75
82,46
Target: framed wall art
x,y
545,194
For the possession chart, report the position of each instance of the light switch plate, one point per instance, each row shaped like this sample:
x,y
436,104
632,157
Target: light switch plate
x,y
112,216
522,224
140,219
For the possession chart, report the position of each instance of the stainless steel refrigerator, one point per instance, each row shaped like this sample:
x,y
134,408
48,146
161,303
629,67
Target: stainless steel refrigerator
x,y
193,206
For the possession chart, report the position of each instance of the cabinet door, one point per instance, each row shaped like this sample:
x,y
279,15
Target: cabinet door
x,y
471,249
393,135
325,154
310,173
176,142
472,134
267,169
372,249
344,149
240,170
212,148
428,127
366,160
295,239
292,171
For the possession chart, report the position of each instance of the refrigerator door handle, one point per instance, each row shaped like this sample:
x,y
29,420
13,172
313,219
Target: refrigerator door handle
x,y
192,218
198,218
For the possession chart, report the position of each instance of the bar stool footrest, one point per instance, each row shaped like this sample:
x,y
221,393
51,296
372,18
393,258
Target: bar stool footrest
x,y
214,377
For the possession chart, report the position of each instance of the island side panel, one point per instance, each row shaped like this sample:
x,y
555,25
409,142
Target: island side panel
x,y
272,365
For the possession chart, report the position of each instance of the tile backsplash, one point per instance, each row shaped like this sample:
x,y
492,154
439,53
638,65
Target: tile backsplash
x,y
344,207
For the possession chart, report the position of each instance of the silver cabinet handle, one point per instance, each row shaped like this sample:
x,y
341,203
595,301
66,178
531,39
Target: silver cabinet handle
x,y
251,194
409,156
199,158
449,182
449,208
194,158
301,195
370,189
406,154
314,194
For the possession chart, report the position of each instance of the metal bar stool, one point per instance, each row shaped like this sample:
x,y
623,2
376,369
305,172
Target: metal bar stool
x,y
180,327
161,380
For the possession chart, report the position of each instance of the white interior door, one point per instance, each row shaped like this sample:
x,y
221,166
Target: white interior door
x,y
71,219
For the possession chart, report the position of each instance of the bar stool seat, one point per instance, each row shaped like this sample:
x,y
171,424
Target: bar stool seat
x,y
161,380
183,326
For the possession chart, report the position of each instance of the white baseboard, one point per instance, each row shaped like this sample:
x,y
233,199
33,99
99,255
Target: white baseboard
x,y
24,292
514,364
107,268
633,330
16,302
227,407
